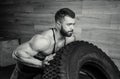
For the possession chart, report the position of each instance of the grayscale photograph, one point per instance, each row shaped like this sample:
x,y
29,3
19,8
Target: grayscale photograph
x,y
59,39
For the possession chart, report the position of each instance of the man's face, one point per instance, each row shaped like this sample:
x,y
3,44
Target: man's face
x,y
67,26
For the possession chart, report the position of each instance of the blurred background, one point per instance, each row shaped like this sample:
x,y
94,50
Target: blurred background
x,y
97,21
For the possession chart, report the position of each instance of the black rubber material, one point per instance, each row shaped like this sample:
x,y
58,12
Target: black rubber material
x,y
79,59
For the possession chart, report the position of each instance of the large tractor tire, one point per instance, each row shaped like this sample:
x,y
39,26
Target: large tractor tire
x,y
81,60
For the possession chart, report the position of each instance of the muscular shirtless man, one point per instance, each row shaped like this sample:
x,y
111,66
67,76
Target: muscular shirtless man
x,y
32,55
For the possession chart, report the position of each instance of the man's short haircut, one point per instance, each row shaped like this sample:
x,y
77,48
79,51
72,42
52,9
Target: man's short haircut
x,y
60,14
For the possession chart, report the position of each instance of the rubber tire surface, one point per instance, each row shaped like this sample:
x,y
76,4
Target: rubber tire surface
x,y
73,57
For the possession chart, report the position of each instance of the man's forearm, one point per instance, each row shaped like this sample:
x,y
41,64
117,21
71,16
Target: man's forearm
x,y
29,61
32,62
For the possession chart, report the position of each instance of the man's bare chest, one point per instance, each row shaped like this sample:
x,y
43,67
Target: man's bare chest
x,y
55,47
42,54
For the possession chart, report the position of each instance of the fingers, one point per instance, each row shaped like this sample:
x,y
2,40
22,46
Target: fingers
x,y
46,62
50,57
54,54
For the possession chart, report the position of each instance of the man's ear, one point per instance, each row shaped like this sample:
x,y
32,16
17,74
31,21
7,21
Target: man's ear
x,y
58,23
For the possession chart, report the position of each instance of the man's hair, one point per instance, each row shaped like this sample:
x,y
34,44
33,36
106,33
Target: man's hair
x,y
60,14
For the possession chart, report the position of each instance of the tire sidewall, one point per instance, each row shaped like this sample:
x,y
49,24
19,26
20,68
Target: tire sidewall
x,y
82,56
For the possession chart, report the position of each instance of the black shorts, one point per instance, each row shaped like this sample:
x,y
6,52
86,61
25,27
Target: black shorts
x,y
22,71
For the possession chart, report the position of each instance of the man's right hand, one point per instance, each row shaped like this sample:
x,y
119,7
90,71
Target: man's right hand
x,y
46,62
48,58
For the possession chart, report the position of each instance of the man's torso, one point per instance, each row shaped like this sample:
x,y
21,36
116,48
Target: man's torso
x,y
42,54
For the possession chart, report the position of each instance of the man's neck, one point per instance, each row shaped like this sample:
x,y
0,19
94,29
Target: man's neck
x,y
59,36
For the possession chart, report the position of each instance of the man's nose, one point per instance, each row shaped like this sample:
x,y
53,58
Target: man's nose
x,y
71,27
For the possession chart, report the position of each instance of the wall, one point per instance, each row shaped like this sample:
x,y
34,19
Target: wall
x,y
6,49
98,21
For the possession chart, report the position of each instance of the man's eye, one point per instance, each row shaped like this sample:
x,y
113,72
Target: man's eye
x,y
69,24
73,23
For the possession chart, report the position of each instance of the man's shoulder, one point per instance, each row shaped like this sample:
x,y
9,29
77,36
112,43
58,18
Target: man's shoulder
x,y
44,35
40,42
47,32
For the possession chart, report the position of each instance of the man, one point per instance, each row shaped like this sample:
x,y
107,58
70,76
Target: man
x,y
31,56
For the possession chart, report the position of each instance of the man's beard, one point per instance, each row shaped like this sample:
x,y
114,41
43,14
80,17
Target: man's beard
x,y
66,34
